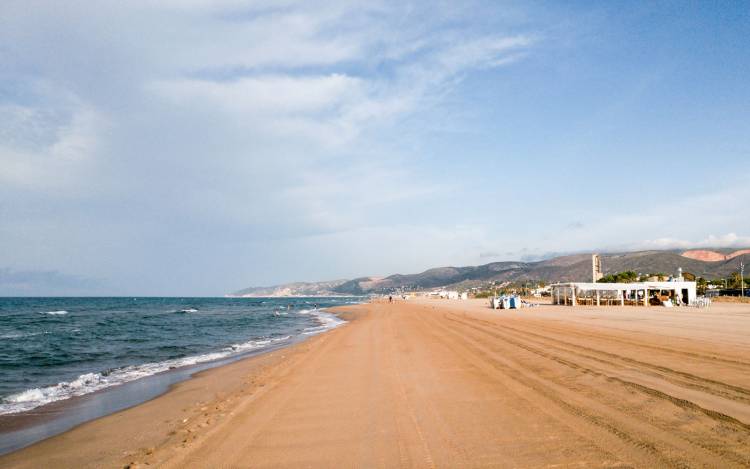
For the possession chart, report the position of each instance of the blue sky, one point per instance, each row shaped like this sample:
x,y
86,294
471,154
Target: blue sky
x,y
196,147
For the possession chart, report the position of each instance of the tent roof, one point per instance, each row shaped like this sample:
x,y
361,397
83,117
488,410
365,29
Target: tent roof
x,y
627,286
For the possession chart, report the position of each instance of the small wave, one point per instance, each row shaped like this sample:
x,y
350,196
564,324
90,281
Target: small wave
x,y
21,335
54,313
11,336
256,344
327,322
186,310
91,382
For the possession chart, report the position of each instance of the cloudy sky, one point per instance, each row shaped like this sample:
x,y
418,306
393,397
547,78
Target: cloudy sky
x,y
195,147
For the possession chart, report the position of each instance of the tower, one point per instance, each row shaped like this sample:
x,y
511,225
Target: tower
x,y
596,267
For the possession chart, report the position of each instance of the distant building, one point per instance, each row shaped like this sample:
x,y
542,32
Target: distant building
x,y
596,267
448,294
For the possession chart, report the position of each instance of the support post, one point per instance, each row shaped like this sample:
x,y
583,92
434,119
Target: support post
x,y
573,296
622,297
598,302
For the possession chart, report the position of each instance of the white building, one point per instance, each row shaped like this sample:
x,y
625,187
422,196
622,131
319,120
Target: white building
x,y
448,294
637,294
451,295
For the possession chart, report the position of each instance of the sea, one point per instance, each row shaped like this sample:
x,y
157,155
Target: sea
x,y
55,349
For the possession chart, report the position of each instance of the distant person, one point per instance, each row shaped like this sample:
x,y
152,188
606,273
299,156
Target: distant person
x,y
390,299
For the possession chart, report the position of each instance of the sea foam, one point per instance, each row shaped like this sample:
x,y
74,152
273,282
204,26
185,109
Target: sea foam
x,y
91,382
143,333
22,335
327,321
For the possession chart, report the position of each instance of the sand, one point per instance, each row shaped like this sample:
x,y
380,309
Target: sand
x,y
438,383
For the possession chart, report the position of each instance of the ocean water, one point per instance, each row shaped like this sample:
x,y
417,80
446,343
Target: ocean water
x,y
53,349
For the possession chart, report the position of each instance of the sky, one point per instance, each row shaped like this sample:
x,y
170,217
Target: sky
x,y
194,147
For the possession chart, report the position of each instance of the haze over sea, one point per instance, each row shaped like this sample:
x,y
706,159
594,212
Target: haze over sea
x,y
53,349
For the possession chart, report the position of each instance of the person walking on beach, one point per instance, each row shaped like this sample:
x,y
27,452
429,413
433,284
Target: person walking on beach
x,y
390,299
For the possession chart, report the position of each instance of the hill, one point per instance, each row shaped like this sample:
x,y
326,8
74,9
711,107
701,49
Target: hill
x,y
293,289
559,269
713,256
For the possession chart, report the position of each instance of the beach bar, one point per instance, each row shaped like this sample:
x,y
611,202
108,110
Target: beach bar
x,y
675,293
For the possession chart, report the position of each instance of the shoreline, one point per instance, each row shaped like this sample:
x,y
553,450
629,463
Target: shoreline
x,y
443,383
25,429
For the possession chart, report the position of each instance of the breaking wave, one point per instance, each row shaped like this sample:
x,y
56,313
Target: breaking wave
x,y
21,335
57,349
327,321
91,382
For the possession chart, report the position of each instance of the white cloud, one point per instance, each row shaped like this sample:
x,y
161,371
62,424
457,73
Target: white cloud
x,y
729,240
669,221
222,123
218,129
485,52
335,108
48,150
349,199
283,105
265,95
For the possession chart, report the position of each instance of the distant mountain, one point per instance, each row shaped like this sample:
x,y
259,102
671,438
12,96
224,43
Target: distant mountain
x,y
293,289
573,268
713,256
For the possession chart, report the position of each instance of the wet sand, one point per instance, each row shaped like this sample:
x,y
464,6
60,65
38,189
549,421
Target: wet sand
x,y
434,383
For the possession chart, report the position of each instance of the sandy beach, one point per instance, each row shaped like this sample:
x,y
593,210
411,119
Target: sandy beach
x,y
433,383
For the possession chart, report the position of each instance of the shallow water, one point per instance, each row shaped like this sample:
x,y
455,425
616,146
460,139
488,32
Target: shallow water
x,y
52,349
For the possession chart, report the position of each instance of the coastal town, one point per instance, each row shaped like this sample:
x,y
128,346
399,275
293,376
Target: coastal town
x,y
619,289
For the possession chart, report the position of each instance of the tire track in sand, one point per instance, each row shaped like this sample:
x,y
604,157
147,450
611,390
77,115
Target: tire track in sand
x,y
497,333
709,359
627,428
720,450
718,388
536,393
404,398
